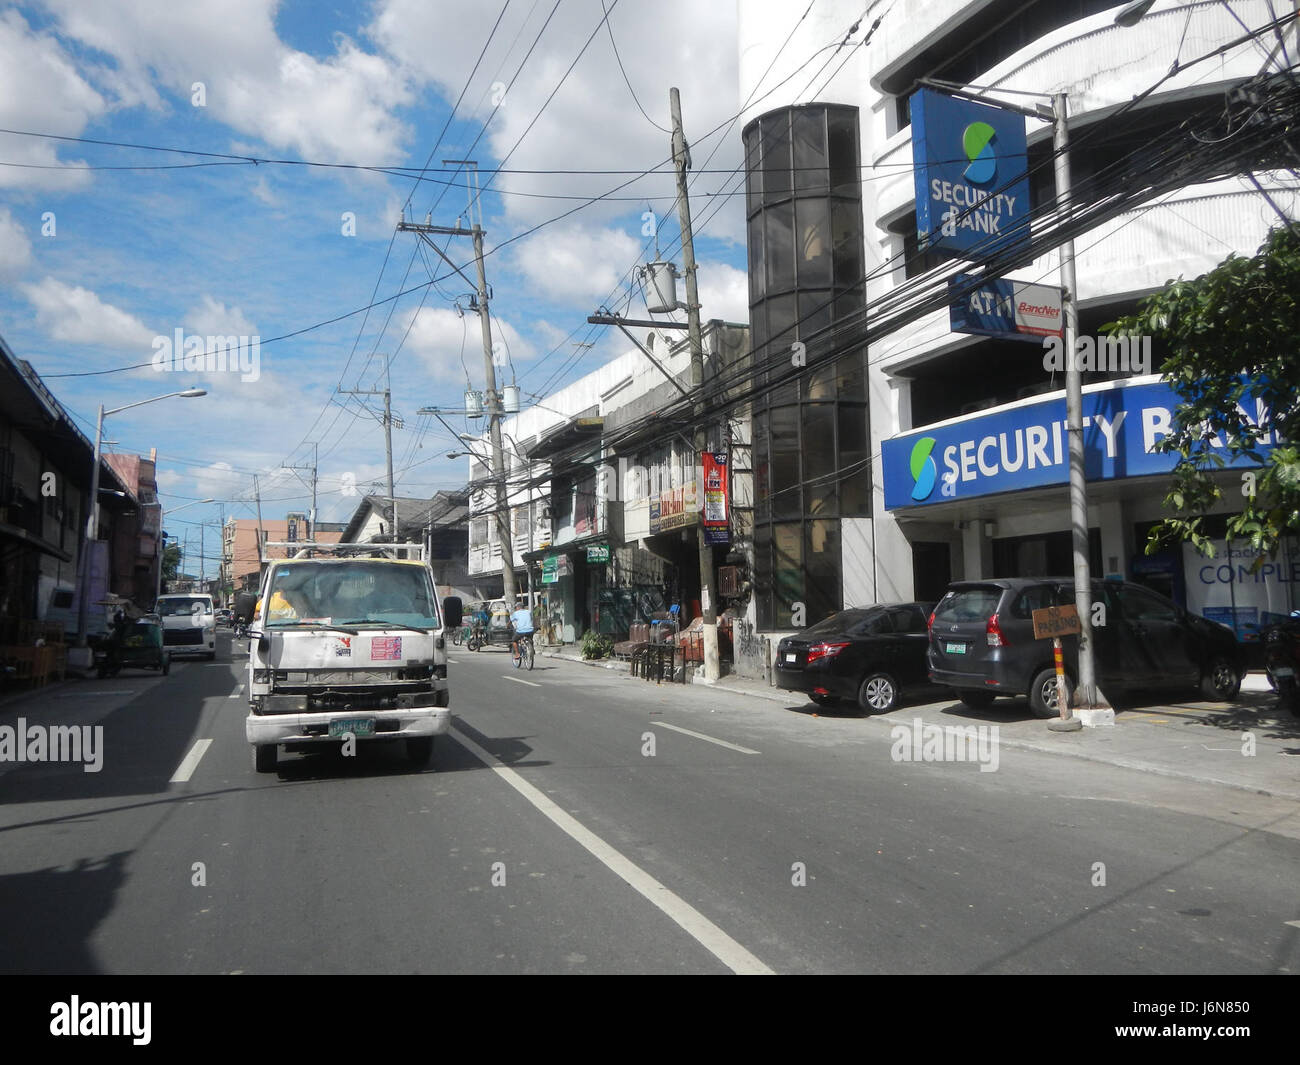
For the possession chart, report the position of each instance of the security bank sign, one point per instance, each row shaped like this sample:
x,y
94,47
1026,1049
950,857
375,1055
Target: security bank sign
x,y
972,175
1026,447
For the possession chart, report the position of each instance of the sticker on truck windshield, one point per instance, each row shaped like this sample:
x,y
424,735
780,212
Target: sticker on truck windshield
x,y
385,648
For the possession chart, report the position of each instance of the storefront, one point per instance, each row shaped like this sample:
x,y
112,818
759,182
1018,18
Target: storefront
x,y
993,488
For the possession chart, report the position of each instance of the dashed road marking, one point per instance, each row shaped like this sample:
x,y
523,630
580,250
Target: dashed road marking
x,y
530,683
701,736
186,769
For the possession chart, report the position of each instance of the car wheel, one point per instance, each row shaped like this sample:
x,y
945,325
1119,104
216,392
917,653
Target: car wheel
x,y
1043,701
265,759
976,700
1221,681
419,749
878,694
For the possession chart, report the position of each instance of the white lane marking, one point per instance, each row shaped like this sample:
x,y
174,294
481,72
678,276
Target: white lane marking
x,y
530,683
695,924
701,736
186,769
111,691
1293,924
236,693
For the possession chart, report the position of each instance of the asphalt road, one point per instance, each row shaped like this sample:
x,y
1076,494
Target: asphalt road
x,y
616,826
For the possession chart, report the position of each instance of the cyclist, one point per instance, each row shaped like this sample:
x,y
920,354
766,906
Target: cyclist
x,y
521,624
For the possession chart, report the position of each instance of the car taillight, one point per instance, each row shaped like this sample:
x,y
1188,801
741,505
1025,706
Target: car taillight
x,y
929,625
993,633
825,650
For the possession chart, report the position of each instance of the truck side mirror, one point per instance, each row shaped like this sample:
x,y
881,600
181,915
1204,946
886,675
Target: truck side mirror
x,y
452,612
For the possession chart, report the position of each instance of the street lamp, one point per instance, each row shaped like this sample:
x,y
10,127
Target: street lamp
x,y
92,520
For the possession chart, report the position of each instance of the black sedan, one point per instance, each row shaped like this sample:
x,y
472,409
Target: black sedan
x,y
871,655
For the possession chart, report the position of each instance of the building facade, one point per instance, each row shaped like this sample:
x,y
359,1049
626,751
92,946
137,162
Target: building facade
x,y
962,401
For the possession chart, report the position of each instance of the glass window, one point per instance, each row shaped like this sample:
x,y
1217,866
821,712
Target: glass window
x,y
784,428
763,575
819,458
842,142
851,377
814,314
1140,605
822,567
757,271
787,551
776,155
753,173
778,247
855,482
781,312
846,238
814,251
810,150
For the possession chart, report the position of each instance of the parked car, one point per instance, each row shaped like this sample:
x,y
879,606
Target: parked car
x,y
982,643
872,656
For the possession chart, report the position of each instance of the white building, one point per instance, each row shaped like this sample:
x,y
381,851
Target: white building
x,y
827,535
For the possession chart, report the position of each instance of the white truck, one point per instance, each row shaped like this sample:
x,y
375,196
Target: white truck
x,y
348,644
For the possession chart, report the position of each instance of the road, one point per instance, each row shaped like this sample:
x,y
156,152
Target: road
x,y
577,820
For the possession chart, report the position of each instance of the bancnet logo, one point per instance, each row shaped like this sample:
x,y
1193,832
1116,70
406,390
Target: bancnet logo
x,y
977,141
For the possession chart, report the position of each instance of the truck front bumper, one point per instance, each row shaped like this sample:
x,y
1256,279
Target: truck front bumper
x,y
262,729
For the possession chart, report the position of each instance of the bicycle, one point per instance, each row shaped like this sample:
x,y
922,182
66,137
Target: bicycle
x,y
461,635
521,650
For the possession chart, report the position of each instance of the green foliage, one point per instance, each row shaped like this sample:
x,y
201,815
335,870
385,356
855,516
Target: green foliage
x,y
171,561
597,645
1233,337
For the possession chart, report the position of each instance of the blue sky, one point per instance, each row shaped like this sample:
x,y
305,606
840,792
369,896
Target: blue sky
x,y
259,250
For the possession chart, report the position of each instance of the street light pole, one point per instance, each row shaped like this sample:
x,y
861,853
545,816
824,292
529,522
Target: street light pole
x,y
92,519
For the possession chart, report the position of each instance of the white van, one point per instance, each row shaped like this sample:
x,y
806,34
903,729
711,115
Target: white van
x,y
189,624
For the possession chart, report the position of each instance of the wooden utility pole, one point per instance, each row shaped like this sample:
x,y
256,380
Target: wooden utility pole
x,y
708,601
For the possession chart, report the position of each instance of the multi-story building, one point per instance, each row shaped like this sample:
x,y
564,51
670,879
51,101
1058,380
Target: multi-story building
x,y
831,211
137,551
241,568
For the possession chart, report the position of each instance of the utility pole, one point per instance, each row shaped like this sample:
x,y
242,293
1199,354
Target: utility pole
x,y
426,230
1090,705
257,493
682,163
315,458
386,392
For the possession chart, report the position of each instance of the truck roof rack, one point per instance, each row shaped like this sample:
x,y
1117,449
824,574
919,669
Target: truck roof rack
x,y
312,549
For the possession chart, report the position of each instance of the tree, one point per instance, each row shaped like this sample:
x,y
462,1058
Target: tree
x,y
171,561
1233,337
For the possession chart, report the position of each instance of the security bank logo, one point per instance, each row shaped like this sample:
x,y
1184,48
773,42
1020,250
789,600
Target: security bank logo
x,y
924,471
977,141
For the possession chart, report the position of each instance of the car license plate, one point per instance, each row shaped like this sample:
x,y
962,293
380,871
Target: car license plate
x,y
1284,671
358,726
955,648
792,658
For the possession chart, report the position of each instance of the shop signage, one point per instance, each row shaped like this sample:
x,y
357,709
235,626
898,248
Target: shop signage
x,y
554,567
997,307
675,509
972,175
1024,446
598,553
1229,589
715,497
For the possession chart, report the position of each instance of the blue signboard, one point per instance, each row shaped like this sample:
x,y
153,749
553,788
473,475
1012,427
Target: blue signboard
x,y
1025,446
1014,310
971,168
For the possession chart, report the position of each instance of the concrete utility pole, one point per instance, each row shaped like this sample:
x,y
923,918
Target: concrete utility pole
x,y
1090,706
708,602
502,508
386,392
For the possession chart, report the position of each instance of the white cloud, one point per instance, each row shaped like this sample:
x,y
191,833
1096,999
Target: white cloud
x,y
441,340
577,266
592,123
15,248
724,292
335,109
77,315
211,318
40,91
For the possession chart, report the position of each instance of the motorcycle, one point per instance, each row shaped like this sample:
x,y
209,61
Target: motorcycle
x,y
1282,661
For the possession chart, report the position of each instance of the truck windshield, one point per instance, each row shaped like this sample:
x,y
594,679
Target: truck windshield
x,y
356,592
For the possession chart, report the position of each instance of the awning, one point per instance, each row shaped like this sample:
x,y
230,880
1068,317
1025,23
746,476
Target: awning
x,y
14,532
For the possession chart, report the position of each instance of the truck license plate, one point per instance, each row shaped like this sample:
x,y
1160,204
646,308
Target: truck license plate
x,y
955,648
358,726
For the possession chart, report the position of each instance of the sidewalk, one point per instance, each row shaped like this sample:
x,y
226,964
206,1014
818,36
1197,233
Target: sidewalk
x,y
1210,743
